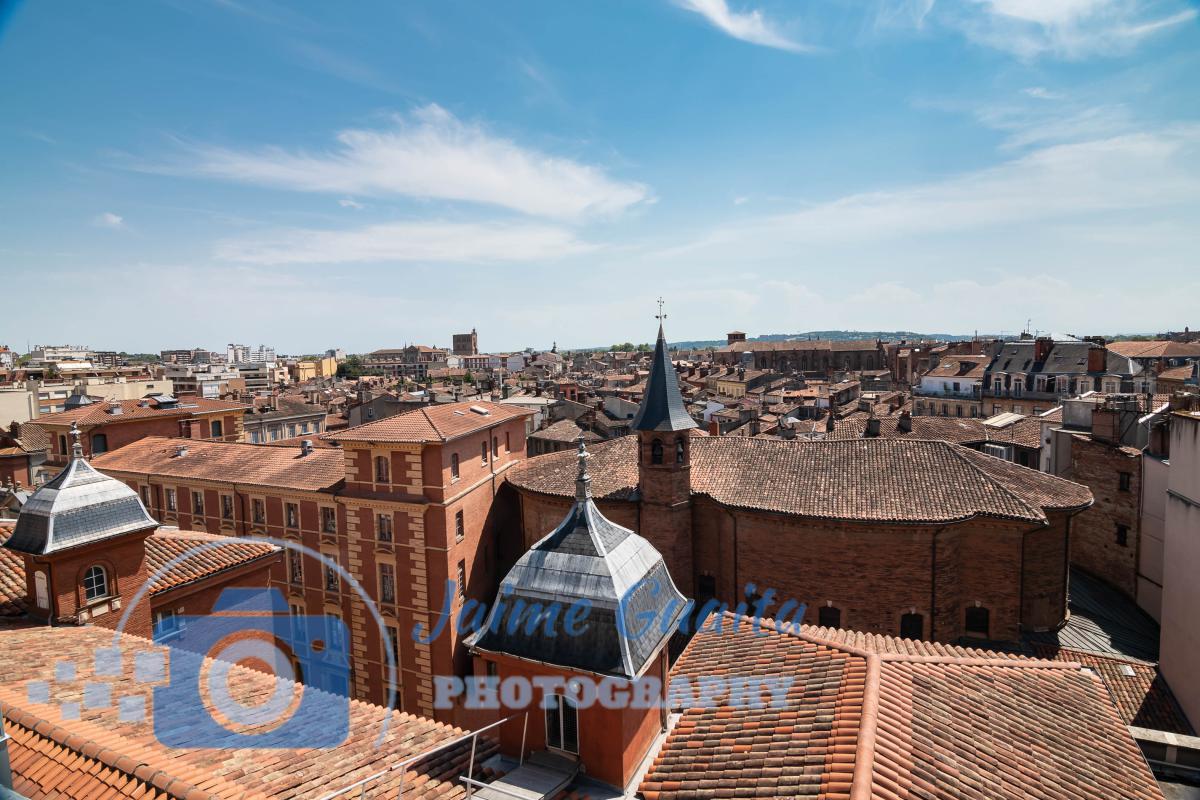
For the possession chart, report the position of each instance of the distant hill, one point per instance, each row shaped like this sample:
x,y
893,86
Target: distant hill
x,y
830,335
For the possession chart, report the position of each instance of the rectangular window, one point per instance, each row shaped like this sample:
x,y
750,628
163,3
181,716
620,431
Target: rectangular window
x,y
1123,535
460,530
462,581
495,447
258,510
332,581
454,466
387,583
483,452
507,443
171,504
292,515
383,525
226,506
1124,479
329,520
295,567
146,496
198,503
166,625
298,632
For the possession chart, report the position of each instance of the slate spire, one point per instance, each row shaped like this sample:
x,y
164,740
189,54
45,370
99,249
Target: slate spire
x,y
662,406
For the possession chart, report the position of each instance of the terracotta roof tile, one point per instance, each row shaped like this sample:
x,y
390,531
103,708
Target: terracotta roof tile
x,y
884,480
234,462
65,751
435,423
861,719
210,555
97,413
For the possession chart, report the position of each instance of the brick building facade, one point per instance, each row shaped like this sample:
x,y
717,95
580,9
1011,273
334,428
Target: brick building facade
x,y
916,538
404,505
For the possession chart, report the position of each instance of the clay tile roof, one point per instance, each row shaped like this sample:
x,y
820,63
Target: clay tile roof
x,y
868,718
882,480
229,462
12,576
98,413
204,555
565,430
65,759
200,555
1156,349
436,423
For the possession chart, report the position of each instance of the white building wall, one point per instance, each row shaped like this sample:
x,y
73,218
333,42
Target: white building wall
x,y
1180,643
1155,477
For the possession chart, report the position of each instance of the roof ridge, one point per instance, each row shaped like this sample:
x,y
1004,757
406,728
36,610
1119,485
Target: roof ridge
x,y
1015,660
1038,512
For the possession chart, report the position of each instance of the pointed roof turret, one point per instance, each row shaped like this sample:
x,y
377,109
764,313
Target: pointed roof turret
x,y
591,561
662,407
79,506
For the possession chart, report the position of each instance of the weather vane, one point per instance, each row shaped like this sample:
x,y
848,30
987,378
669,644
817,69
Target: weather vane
x,y
661,316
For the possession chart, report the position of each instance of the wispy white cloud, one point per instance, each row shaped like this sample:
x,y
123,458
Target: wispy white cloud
x,y
109,220
419,241
350,202
1070,29
427,154
1059,182
748,26
1041,93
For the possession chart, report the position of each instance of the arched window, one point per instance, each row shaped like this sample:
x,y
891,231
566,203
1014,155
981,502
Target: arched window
x,y
562,724
381,469
912,626
679,451
95,583
829,617
99,444
454,466
656,452
978,622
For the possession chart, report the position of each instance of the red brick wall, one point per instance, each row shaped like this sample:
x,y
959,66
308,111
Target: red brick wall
x,y
124,560
16,469
874,573
1094,545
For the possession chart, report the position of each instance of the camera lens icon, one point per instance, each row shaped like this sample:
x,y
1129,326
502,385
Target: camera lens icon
x,y
254,676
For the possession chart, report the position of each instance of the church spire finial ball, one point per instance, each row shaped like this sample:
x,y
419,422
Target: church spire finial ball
x,y
661,316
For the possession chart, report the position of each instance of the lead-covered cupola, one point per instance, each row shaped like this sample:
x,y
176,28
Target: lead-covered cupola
x,y
632,603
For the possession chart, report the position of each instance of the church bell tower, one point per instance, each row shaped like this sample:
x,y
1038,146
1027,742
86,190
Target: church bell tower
x,y
663,428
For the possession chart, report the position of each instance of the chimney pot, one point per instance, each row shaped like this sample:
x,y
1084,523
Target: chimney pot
x,y
181,451
306,447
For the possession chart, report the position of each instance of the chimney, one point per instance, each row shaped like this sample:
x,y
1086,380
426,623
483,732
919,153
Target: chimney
x,y
872,430
904,424
1041,348
181,451
116,409
714,428
306,447
1097,360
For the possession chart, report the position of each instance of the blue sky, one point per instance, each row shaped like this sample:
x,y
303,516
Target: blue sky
x,y
365,174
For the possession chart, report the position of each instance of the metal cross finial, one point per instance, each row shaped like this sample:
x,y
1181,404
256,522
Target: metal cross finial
x,y
76,447
661,316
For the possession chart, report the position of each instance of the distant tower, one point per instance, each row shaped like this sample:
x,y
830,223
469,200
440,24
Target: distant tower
x,y
665,464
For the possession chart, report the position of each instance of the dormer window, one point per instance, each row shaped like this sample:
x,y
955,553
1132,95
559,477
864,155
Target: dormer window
x,y
95,583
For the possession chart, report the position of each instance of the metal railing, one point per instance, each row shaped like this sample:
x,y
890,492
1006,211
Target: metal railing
x,y
403,766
